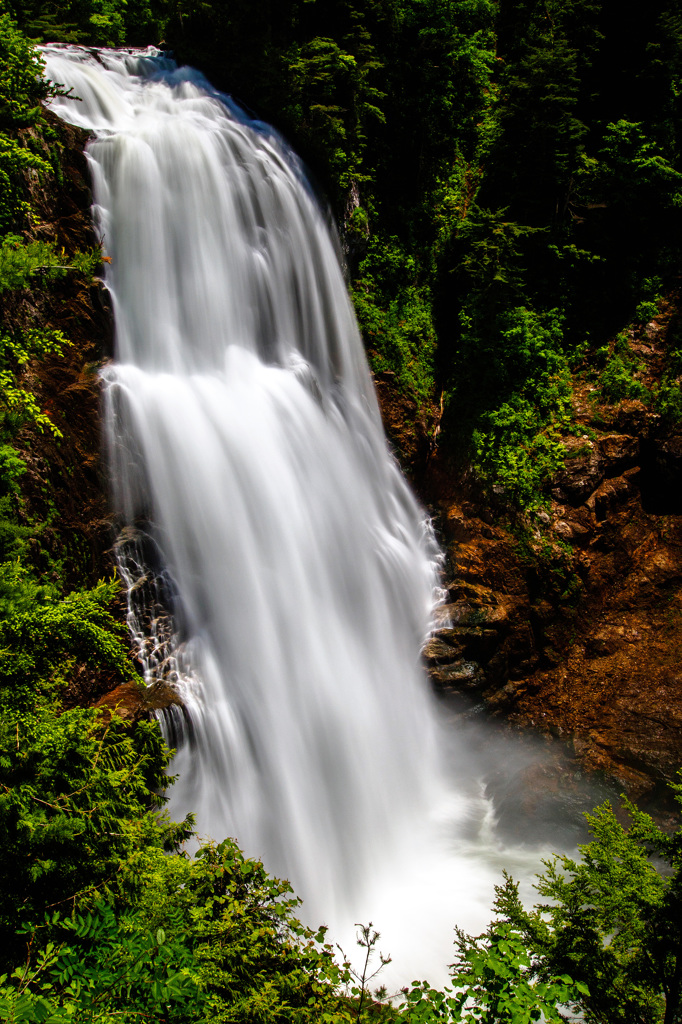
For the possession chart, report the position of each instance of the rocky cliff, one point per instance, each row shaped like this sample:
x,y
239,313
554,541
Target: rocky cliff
x,y
569,621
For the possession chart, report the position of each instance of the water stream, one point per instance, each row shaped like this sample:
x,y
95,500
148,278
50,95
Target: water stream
x,y
248,464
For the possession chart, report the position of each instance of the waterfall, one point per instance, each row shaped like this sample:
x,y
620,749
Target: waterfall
x,y
250,472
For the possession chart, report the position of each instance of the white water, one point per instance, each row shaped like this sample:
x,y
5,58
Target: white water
x,y
243,426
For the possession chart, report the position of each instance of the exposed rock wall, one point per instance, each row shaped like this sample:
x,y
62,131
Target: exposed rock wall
x,y
571,623
64,486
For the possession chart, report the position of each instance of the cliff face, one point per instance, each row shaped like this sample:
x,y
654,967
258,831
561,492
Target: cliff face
x,y
570,622
64,484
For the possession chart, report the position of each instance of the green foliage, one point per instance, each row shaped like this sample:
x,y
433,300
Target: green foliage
x,y
74,793
394,313
441,105
21,84
618,382
20,592
646,311
517,451
613,921
12,468
668,400
21,90
333,100
209,939
634,170
255,960
21,262
101,962
547,52
495,981
18,405
524,376
91,22
34,644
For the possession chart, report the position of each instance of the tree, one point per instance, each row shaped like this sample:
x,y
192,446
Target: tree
x,y
496,980
615,920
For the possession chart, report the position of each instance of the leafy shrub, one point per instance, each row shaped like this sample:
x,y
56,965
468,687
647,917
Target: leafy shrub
x,y
97,961
35,643
613,919
495,980
646,311
395,315
617,381
668,400
525,395
74,798
22,87
209,939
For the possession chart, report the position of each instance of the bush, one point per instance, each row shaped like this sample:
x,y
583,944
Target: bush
x,y
617,381
613,920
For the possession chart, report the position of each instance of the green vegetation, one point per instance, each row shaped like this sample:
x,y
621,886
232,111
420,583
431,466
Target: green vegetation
x,y
93,22
613,920
495,979
395,315
21,90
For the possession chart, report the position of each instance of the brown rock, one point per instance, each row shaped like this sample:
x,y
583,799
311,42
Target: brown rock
x,y
633,417
133,702
619,450
460,675
609,495
436,651
582,473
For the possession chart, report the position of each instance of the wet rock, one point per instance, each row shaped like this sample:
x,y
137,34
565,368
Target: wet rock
x,y
461,656
459,675
545,798
463,613
133,702
610,494
469,637
575,526
435,650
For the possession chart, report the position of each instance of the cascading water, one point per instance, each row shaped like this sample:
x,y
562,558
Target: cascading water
x,y
242,425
